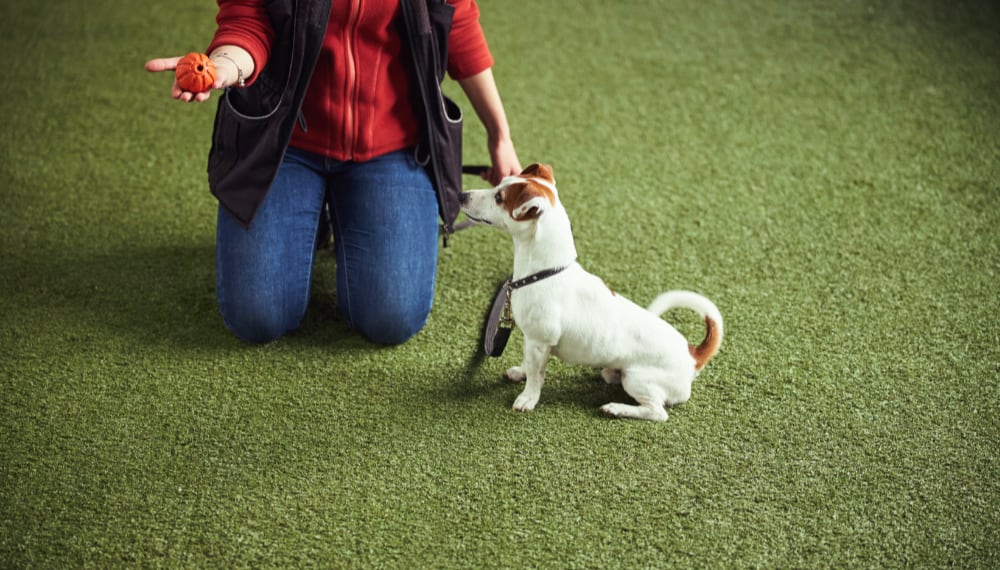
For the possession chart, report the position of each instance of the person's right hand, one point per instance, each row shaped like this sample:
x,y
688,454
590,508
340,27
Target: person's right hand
x,y
226,74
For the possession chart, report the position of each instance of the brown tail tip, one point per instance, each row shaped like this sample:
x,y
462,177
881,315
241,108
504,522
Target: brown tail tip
x,y
708,347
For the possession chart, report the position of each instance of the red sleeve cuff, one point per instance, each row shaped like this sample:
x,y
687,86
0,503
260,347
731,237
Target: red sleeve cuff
x,y
244,23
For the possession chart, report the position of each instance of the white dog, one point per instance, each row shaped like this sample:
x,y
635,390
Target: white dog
x,y
566,312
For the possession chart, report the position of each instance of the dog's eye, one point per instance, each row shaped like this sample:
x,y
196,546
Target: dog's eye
x,y
498,197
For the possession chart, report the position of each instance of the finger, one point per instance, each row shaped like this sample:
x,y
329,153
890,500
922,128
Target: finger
x,y
176,92
162,64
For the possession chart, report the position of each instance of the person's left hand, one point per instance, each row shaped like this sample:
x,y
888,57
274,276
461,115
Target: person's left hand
x,y
504,162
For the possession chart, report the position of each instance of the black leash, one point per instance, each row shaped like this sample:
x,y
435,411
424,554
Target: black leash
x,y
500,321
476,169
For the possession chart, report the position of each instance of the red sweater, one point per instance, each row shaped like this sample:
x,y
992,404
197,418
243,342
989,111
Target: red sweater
x,y
358,105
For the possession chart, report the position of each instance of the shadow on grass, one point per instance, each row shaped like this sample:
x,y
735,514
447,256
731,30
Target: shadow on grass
x,y
163,298
162,295
565,387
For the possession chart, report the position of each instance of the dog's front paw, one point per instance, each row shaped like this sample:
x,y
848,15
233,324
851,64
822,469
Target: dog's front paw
x,y
526,401
516,374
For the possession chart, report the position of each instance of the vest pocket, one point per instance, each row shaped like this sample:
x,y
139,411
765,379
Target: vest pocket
x,y
244,157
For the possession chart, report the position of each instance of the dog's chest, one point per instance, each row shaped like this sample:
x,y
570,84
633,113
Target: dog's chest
x,y
574,316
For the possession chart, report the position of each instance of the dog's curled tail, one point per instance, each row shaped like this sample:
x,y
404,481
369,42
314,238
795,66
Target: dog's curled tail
x,y
708,311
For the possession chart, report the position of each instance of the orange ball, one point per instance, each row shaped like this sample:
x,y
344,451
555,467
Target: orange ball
x,y
195,73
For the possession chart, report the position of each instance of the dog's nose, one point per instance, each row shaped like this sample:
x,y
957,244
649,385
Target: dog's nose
x,y
463,198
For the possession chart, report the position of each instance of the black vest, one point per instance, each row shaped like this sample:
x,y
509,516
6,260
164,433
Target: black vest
x,y
253,125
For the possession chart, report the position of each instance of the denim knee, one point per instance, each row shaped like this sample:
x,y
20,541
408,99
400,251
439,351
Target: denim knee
x,y
388,325
260,324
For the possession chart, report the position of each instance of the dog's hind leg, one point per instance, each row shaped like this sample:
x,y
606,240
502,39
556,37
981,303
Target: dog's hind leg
x,y
644,385
611,375
649,412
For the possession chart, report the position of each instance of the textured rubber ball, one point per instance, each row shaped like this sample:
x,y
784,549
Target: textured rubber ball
x,y
195,73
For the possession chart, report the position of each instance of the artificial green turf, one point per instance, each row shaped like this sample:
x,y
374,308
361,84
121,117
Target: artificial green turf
x,y
827,172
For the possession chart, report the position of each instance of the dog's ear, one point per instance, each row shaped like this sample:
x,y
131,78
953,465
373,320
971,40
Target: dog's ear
x,y
528,200
542,171
530,210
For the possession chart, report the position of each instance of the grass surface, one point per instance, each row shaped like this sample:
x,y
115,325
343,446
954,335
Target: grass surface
x,y
828,173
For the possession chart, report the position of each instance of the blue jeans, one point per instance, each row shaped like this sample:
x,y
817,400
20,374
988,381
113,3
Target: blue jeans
x,y
384,219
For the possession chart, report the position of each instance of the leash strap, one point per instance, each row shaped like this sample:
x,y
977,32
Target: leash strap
x,y
500,322
475,169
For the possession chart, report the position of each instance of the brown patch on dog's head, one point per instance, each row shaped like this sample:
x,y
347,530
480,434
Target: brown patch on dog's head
x,y
527,200
521,200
